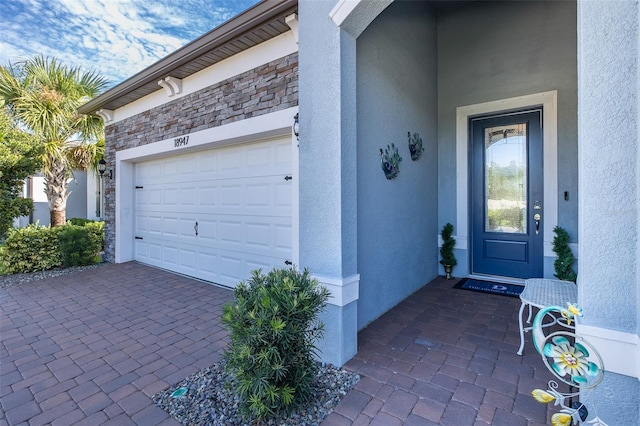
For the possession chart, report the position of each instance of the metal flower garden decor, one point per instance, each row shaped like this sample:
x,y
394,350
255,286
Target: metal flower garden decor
x,y
390,161
573,361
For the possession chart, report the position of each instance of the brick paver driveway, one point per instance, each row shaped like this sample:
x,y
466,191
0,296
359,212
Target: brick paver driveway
x,y
92,347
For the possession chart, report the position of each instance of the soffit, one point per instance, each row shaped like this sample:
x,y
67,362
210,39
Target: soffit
x,y
260,23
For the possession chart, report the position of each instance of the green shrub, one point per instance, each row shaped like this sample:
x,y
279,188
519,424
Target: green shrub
x,y
564,256
448,243
38,248
33,248
79,245
273,327
78,221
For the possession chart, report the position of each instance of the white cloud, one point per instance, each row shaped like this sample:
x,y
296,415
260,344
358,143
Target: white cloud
x,y
118,38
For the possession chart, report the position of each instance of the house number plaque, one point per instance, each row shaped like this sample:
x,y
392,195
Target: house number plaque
x,y
181,141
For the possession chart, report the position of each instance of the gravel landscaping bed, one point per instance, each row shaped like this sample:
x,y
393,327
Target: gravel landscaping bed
x,y
15,279
208,401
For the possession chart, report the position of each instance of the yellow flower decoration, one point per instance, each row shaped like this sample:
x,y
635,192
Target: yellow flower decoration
x,y
542,396
561,419
571,312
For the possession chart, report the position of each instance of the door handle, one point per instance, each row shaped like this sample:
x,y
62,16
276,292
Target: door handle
x,y
537,218
195,228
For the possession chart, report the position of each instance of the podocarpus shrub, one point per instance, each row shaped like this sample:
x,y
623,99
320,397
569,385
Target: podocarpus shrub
x,y
33,248
273,326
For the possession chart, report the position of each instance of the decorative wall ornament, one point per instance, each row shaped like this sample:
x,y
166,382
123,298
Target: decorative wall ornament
x,y
575,362
415,146
390,161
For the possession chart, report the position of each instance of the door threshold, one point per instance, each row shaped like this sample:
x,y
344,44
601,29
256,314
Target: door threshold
x,y
498,279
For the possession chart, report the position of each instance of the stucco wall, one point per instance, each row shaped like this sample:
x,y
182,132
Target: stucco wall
x,y
496,50
76,203
609,131
397,219
268,88
328,165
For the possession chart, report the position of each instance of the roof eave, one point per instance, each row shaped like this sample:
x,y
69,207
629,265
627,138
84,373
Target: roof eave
x,y
246,21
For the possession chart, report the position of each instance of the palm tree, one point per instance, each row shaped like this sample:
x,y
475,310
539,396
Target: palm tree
x,y
43,96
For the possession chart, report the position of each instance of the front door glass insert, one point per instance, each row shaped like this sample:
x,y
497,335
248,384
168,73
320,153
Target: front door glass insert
x,y
505,153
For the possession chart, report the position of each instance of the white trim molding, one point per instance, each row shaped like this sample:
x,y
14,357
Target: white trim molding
x,y
354,16
343,290
549,102
620,351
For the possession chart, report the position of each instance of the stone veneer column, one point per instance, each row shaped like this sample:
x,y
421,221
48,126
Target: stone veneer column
x,y
609,212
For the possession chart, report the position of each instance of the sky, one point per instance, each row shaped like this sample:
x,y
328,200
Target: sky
x,y
117,38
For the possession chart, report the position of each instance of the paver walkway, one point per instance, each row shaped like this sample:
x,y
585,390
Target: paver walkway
x,y
92,347
445,356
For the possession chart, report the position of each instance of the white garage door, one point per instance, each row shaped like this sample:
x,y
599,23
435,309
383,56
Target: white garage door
x,y
217,214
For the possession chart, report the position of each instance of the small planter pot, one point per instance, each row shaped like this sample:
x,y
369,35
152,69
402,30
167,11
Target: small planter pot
x,y
447,271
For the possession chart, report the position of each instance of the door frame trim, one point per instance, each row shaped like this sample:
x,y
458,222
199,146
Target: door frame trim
x,y
549,102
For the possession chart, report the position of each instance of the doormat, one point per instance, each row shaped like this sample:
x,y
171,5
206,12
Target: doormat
x,y
502,289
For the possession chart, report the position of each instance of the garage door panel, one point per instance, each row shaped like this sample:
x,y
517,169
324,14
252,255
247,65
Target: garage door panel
x,y
231,270
155,253
170,168
187,226
208,231
188,165
231,234
282,196
208,195
259,235
236,194
170,226
259,156
231,160
149,170
283,154
170,256
170,197
208,162
258,194
188,196
231,195
282,239
155,225
188,260
142,249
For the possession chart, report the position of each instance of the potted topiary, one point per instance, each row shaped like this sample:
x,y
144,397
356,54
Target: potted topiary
x,y
448,260
564,256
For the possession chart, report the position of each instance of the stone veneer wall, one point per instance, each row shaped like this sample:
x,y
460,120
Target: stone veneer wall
x,y
268,88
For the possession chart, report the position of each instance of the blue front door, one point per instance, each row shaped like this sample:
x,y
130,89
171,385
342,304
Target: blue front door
x,y
506,194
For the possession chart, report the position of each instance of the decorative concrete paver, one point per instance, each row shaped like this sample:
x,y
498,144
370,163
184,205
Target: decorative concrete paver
x,y
447,356
92,347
